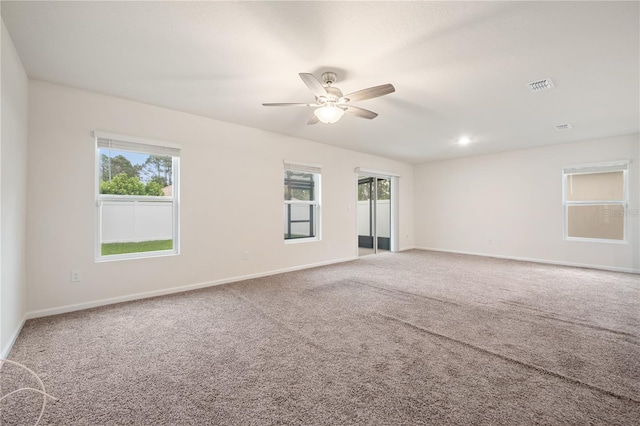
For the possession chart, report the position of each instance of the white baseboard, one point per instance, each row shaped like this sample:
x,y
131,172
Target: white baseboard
x,y
534,260
5,351
154,293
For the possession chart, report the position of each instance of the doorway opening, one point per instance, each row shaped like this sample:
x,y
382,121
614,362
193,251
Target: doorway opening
x,y
374,214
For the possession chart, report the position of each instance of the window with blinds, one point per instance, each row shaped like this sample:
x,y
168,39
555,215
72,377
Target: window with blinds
x,y
595,198
137,188
301,201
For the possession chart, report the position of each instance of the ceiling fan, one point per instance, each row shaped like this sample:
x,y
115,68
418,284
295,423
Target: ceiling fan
x,y
331,104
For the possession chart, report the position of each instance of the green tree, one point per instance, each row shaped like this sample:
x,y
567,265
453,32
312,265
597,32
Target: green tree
x,y
153,188
111,167
157,167
160,180
363,192
384,190
122,184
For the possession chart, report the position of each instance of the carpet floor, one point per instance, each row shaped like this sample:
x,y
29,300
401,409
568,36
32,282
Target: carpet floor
x,y
406,338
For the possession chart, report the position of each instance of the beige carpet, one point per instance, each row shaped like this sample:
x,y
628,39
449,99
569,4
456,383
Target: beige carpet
x,y
411,338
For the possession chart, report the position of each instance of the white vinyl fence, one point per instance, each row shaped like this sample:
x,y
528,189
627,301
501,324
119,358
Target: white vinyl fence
x,y
148,221
384,218
300,212
135,221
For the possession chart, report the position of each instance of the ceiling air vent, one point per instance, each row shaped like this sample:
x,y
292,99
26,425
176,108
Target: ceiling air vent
x,y
540,85
566,126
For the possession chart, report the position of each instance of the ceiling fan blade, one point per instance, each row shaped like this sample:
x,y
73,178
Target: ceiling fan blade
x,y
313,84
371,92
288,104
313,120
360,112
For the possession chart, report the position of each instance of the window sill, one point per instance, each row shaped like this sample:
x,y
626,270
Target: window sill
x,y
595,240
301,240
134,256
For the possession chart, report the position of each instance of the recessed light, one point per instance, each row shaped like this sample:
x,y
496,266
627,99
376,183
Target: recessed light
x,y
464,140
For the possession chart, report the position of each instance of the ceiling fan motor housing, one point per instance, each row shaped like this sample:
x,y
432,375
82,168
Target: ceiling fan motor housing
x,y
329,77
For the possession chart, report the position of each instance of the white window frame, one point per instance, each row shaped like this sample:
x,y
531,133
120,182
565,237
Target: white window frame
x,y
145,146
315,169
592,168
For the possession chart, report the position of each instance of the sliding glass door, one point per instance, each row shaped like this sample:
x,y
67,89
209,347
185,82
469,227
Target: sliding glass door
x,y
374,214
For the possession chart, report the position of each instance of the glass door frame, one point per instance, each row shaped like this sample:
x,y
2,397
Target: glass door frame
x,y
372,198
393,188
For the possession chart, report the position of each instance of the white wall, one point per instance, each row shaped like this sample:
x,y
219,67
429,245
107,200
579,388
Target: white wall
x,y
510,204
231,199
13,182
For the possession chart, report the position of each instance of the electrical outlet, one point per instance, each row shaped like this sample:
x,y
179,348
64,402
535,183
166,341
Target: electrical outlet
x,y
245,255
75,276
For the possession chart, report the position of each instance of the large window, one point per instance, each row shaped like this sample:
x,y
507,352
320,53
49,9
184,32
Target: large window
x,y
137,188
301,202
595,198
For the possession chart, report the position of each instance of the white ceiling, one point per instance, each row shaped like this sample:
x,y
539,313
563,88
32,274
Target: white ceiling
x,y
459,68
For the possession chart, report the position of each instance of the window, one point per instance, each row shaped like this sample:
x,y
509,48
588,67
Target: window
x,y
137,193
595,198
301,202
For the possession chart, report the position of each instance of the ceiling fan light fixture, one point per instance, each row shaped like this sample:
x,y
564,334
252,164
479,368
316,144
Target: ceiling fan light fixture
x,y
329,113
331,104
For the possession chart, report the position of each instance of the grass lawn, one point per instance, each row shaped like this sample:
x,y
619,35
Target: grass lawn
x,y
121,248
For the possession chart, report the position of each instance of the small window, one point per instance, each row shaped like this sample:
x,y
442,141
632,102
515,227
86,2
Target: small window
x,y
136,197
301,202
595,199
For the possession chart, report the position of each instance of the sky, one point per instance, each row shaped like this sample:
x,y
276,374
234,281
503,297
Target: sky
x,y
134,157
